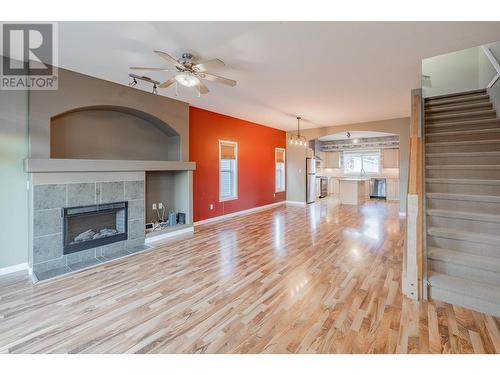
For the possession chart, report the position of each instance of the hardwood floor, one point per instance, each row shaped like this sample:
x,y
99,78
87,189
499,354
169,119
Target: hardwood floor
x,y
318,279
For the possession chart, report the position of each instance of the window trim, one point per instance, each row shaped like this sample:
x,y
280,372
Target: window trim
x,y
361,152
276,149
235,196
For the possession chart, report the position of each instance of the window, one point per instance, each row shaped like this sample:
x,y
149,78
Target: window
x,y
361,162
280,169
228,170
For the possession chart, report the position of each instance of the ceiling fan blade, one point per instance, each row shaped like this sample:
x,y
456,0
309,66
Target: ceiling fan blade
x,y
218,79
208,64
169,58
152,69
167,83
202,89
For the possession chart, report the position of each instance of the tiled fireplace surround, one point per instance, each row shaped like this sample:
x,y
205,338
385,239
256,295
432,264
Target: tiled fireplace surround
x,y
53,193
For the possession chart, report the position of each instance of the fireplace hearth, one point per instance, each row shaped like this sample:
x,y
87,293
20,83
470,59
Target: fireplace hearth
x,y
87,227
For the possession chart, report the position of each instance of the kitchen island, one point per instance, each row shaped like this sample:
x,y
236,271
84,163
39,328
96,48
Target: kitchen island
x,y
352,190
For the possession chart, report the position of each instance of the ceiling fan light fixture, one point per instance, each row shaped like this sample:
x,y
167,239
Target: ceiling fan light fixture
x,y
188,72
187,79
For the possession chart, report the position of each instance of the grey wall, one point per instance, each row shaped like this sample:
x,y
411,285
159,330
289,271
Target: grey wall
x,y
452,72
79,91
399,126
295,173
172,189
110,134
494,93
13,193
464,70
159,188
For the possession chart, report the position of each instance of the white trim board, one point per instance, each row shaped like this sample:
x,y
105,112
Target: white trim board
x,y
14,268
296,203
163,236
238,213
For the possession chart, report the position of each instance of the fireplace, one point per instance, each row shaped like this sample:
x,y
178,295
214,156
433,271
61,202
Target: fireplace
x,y
87,227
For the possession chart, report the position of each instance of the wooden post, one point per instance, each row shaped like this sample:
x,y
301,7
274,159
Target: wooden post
x,y
413,255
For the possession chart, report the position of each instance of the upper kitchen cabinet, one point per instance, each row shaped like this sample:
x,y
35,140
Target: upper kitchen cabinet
x,y
331,159
390,158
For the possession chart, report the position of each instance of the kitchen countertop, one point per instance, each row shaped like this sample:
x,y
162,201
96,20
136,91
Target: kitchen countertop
x,y
353,179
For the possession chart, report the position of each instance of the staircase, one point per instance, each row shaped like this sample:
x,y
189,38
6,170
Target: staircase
x,y
462,185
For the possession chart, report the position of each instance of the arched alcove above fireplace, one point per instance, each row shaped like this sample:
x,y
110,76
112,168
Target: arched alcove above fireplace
x,y
112,133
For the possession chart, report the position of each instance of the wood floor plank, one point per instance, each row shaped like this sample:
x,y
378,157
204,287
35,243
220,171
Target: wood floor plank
x,y
325,278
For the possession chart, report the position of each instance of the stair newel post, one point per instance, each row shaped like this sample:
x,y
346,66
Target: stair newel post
x,y
413,253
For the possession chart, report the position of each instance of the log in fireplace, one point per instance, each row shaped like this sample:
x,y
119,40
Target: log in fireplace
x,y
87,227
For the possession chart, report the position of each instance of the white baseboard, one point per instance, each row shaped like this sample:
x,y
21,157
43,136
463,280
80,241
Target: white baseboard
x,y
239,213
163,236
15,268
296,203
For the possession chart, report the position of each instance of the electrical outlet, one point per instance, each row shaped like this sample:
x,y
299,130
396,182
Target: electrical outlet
x,y
274,195
211,206
154,206
160,205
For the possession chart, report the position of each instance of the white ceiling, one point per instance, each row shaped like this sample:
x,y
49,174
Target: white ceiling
x,y
354,134
330,73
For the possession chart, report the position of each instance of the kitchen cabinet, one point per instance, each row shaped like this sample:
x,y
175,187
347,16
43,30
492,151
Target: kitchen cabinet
x,y
390,158
392,189
321,156
334,186
331,159
352,191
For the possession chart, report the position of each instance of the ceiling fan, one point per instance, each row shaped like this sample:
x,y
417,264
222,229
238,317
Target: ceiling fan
x,y
190,72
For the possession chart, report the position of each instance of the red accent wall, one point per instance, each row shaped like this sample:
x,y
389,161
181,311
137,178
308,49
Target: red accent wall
x,y
256,158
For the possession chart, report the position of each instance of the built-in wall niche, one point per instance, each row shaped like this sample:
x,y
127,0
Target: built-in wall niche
x,y
112,133
172,189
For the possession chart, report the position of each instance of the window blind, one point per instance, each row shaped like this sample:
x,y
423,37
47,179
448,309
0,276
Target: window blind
x,y
280,156
227,152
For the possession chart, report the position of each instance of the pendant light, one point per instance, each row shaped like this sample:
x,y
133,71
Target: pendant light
x,y
297,139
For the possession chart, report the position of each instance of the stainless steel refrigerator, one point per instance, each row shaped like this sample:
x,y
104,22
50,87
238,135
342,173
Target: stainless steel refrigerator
x,y
310,180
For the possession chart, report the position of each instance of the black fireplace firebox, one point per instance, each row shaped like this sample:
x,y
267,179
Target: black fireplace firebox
x,y
87,227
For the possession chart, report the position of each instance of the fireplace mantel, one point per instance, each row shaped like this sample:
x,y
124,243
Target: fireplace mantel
x,y
88,165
